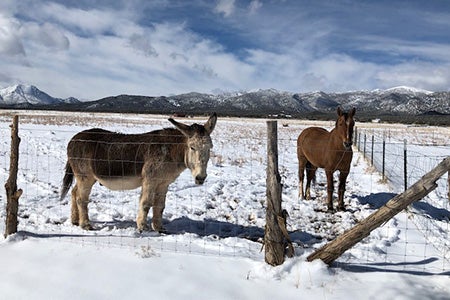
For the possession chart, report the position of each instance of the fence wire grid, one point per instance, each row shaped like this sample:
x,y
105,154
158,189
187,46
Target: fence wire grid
x,y
226,215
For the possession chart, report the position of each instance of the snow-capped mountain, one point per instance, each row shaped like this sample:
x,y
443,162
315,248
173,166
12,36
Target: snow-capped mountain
x,y
22,95
399,103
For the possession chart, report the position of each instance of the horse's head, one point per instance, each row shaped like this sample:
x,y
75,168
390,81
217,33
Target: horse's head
x,y
344,126
198,146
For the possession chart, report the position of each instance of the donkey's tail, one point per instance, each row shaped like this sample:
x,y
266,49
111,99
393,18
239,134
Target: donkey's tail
x,y
67,181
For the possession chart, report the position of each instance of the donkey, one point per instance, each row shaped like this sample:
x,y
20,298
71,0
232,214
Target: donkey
x,y
151,160
318,148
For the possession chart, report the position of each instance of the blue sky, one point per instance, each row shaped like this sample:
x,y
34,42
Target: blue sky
x,y
92,49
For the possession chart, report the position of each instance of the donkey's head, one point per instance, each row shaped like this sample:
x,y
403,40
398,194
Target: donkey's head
x,y
198,146
344,127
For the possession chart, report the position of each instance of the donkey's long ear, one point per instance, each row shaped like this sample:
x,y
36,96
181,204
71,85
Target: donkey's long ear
x,y
211,123
185,129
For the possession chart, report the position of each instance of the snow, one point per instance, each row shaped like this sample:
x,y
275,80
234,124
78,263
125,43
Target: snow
x,y
213,246
407,90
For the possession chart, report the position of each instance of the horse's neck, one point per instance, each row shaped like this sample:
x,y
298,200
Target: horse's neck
x,y
334,141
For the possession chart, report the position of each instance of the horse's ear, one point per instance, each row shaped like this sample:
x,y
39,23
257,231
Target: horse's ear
x,y
211,123
339,111
185,129
352,112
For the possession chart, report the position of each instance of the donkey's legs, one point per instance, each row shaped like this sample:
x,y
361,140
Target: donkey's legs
x,y
145,202
159,204
330,189
153,195
75,216
82,190
342,180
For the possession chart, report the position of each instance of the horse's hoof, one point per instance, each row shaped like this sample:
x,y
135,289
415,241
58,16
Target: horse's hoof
x,y
342,208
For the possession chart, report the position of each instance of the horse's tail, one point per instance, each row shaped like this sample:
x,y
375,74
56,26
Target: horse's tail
x,y
67,181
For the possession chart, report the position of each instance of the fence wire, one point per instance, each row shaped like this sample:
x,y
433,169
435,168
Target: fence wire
x,y
226,215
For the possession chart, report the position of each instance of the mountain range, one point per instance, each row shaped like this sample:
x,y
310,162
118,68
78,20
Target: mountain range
x,y
399,102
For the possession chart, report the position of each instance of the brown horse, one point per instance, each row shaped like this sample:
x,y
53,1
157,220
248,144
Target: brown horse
x,y
318,148
151,160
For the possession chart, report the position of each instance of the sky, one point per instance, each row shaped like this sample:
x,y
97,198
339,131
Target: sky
x,y
93,49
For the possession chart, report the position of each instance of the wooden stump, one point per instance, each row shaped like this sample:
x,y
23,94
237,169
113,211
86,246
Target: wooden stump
x,y
12,194
276,237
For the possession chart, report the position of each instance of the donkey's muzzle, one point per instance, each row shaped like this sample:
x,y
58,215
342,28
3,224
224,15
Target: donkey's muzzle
x,y
200,179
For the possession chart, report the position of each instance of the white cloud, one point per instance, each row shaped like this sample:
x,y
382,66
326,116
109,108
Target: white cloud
x,y
254,6
10,42
225,7
46,35
117,55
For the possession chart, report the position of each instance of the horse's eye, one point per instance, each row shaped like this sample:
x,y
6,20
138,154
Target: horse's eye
x,y
192,148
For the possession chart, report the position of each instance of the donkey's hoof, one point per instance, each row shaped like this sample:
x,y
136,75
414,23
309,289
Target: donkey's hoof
x,y
158,228
142,227
86,226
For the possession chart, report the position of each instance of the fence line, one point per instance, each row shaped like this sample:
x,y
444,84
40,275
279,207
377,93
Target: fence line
x,y
431,215
224,216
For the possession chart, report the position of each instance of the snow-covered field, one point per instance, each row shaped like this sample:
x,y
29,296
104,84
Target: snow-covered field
x,y
213,248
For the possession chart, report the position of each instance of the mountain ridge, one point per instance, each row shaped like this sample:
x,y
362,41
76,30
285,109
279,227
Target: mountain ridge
x,y
397,101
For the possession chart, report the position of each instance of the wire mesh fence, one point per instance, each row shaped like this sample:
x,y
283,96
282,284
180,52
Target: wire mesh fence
x,y
225,215
403,156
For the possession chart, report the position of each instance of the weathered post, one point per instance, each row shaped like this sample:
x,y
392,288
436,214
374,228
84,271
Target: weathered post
x,y
384,156
276,236
365,140
372,150
12,194
331,251
405,164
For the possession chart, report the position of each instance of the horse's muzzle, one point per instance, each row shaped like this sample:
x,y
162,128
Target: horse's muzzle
x,y
348,145
200,179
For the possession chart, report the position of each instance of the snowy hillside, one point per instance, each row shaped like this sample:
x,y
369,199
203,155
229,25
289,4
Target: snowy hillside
x,y
400,102
25,95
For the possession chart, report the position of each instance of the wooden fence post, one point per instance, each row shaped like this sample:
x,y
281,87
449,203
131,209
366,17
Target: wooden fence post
x,y
331,251
448,184
372,149
405,164
384,157
12,194
276,236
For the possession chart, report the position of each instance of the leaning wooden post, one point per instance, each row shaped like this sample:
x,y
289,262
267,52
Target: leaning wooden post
x,y
331,251
276,236
12,194
448,185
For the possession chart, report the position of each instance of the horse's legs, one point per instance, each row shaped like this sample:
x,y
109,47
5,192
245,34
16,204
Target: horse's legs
x,y
80,197
330,189
310,175
342,180
301,175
